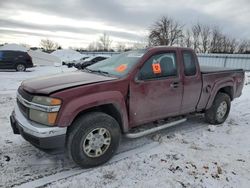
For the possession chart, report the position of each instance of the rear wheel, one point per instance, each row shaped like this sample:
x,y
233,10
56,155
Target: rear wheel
x,y
20,67
93,139
219,110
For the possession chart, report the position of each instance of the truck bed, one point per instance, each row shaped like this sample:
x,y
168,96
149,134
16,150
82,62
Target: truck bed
x,y
208,69
213,76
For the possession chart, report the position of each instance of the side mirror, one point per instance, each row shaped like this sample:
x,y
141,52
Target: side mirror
x,y
138,78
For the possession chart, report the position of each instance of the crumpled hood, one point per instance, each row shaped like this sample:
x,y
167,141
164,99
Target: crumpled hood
x,y
50,84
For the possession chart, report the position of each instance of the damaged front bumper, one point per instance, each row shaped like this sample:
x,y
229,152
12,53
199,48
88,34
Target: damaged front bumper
x,y
41,136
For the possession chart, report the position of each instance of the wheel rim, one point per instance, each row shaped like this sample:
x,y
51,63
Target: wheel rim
x,y
222,110
20,67
97,142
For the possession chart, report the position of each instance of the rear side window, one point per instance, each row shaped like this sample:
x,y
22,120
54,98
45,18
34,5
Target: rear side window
x,y
189,64
158,66
1,55
9,55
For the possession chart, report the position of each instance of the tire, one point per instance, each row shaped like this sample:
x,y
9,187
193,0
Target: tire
x,y
80,145
20,67
219,110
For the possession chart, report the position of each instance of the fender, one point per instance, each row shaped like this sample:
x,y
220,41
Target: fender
x,y
217,86
72,108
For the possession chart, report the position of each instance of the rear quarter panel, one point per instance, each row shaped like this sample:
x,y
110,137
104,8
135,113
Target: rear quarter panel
x,y
213,82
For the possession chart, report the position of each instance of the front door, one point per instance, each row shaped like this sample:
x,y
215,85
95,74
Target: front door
x,y
157,91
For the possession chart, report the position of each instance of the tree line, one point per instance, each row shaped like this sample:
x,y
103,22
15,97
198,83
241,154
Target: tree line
x,y
201,37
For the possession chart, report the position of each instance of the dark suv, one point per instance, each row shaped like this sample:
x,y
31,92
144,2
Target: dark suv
x,y
15,60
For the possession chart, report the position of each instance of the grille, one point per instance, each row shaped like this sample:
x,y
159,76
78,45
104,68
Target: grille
x,y
23,109
28,97
25,94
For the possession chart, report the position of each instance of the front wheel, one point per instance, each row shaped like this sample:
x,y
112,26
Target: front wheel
x,y
93,139
219,110
20,67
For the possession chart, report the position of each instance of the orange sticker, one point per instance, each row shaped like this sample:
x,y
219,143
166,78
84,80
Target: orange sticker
x,y
121,68
156,68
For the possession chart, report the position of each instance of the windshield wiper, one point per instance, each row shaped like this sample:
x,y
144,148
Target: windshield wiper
x,y
97,71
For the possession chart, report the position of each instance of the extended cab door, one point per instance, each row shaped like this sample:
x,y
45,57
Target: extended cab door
x,y
156,91
192,82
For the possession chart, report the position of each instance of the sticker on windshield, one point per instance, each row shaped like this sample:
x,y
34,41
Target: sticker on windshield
x,y
156,67
121,68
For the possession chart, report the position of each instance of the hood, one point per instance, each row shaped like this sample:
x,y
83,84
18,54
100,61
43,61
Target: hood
x,y
50,84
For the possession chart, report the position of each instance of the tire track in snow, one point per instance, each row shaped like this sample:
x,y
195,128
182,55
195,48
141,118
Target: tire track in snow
x,y
73,172
194,123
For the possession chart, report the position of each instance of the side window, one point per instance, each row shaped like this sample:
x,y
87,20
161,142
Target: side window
x,y
158,66
1,55
189,64
9,55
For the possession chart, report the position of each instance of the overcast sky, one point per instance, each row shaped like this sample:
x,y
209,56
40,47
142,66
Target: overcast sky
x,y
76,23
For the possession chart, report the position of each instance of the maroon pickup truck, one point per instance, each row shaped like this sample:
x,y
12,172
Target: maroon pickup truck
x,y
131,94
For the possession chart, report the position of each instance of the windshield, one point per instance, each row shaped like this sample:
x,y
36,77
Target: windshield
x,y
118,65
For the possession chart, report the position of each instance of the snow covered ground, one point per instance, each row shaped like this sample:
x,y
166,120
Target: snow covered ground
x,y
193,154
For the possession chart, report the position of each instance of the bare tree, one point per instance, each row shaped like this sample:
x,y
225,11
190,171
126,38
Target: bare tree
x,y
120,47
105,42
196,32
95,46
91,46
187,39
165,31
244,47
229,45
205,38
49,45
216,41
233,45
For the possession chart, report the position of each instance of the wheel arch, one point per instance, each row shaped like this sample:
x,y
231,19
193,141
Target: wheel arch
x,y
109,109
225,88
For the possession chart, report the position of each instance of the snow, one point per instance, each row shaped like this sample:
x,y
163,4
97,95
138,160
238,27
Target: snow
x,y
14,47
192,154
247,78
68,55
42,58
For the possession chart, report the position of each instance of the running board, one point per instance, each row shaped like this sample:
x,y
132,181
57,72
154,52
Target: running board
x,y
155,129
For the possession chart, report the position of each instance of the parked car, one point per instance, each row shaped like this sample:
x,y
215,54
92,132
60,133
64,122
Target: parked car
x,y
74,62
88,111
90,61
15,60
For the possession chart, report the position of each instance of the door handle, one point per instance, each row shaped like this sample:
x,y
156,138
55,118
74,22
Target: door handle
x,y
174,85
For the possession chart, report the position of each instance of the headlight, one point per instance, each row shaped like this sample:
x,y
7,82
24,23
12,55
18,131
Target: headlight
x,y
46,101
44,110
43,117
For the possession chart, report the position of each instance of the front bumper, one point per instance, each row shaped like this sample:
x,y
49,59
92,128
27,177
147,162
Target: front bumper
x,y
41,136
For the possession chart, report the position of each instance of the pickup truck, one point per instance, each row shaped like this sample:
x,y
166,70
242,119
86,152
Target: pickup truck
x,y
131,94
